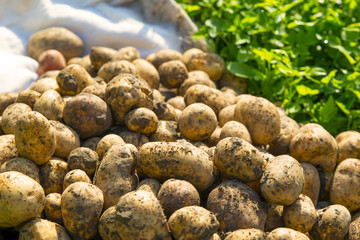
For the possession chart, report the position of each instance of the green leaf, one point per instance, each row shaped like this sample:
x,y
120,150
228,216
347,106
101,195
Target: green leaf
x,y
342,107
329,110
192,8
305,91
291,5
356,92
242,70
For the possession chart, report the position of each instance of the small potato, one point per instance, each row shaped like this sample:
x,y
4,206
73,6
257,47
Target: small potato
x,y
66,139
85,62
236,206
59,38
172,73
196,77
97,89
315,145
73,79
274,217
301,215
35,137
164,111
22,199
53,207
101,55
107,225
11,115
349,145
147,72
129,53
134,138
247,234
49,60
286,234
44,84
22,165
235,129
106,143
332,223
52,175
139,216
111,69
29,97
238,84
158,96
260,117
163,56
227,115
81,206
354,228
142,120
8,148
177,102
282,181
235,157
149,184
188,54
91,143
193,222
210,63
51,105
175,194
89,109
85,159
312,182
214,138
165,160
7,99
165,132
197,122
43,229
73,176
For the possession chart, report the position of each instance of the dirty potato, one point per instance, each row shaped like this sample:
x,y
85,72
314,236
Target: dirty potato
x,y
349,145
107,225
7,99
196,77
177,102
11,115
164,111
149,184
227,115
29,97
142,120
85,159
247,234
53,207
188,54
211,63
235,129
44,84
52,175
106,143
91,143
8,148
162,56
165,132
22,165
101,55
274,217
111,69
147,72
51,105
312,182
286,234
129,53
172,73
134,138
66,139
73,176
43,229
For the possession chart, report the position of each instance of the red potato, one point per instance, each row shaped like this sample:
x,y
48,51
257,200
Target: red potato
x,y
50,60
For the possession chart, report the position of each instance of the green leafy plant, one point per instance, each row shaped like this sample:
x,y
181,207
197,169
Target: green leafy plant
x,y
302,54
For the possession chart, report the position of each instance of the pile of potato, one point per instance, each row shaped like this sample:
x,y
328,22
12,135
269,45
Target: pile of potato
x,y
113,146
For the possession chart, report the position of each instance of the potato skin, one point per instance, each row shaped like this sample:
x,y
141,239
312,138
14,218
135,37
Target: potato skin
x,y
35,137
106,143
163,56
349,145
66,139
312,182
22,165
43,229
7,99
85,159
73,176
147,72
165,160
235,129
29,97
286,234
22,199
142,120
282,181
51,105
52,175
44,84
227,115
193,222
247,234
53,207
81,206
234,157
107,225
139,216
165,132
113,68
172,73
8,148
210,63
11,115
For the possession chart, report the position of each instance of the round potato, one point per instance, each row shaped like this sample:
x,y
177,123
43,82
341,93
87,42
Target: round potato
x,y
165,132
29,97
349,145
51,105
101,55
235,129
43,84
43,229
106,143
52,175
227,115
66,139
147,72
247,234
193,222
8,148
53,207
210,63
188,54
129,53
22,198
286,234
22,165
113,68
83,158
164,111
196,77
312,182
149,184
7,99
177,102
35,137
172,73
73,176
163,56
107,225
49,60
11,115
142,120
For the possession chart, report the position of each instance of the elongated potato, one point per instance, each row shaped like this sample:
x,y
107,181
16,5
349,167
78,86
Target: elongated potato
x,y
22,165
11,115
8,148
43,229
247,234
51,105
165,160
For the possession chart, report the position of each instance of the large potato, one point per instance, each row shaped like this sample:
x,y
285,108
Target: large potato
x,y
52,175
21,199
42,229
66,139
349,145
312,182
286,234
210,63
165,160
113,68
73,79
81,206
51,105
283,180
8,148
236,158
247,234
35,137
139,216
11,115
22,165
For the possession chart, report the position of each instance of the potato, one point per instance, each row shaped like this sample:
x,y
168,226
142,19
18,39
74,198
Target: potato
x,y
52,175
172,73
101,55
129,53
165,160
53,207
139,216
282,181
8,148
157,96
49,74
44,84
234,157
51,105
7,99
126,91
274,217
177,102
29,97
188,54
91,143
247,234
212,97
149,184
286,234
111,69
89,109
165,132
35,137
73,79
210,63
22,165
85,62
43,229
73,176
214,138
315,145
345,188
81,206
332,223
196,77
83,158
164,111
175,194
235,129
301,215
107,225
238,84
197,122
193,222
96,89
147,72
312,182
22,199
354,228
142,120
11,115
116,175
236,206
134,138
163,56
49,60
349,145
260,117
106,142
227,115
